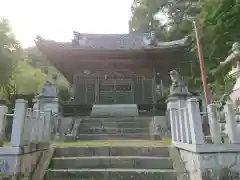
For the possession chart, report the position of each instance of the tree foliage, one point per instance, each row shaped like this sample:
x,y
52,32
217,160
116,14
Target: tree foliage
x,y
10,51
218,22
39,61
19,74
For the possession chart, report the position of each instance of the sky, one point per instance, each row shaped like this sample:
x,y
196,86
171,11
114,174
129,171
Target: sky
x,y
57,19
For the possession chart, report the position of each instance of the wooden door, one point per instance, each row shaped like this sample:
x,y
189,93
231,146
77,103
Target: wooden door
x,y
115,91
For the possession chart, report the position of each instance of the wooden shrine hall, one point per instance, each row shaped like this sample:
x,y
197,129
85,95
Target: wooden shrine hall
x,y
115,68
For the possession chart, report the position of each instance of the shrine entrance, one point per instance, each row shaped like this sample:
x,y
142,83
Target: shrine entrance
x,y
116,91
113,90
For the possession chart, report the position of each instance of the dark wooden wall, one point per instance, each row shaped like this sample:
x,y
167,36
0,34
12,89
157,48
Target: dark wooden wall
x,y
127,90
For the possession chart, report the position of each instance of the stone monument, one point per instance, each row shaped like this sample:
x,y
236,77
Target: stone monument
x,y
234,60
178,86
177,100
47,98
178,89
49,90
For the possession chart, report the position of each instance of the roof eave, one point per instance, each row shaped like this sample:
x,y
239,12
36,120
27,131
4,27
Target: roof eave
x,y
160,46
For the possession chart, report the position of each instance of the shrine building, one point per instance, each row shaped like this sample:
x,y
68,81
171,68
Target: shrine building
x,y
116,68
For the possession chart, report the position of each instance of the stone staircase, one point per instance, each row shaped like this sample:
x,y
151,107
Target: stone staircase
x,y
115,128
111,163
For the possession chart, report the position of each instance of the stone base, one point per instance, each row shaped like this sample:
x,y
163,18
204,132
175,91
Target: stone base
x,y
114,110
22,161
147,150
112,162
114,174
57,137
156,137
69,138
207,162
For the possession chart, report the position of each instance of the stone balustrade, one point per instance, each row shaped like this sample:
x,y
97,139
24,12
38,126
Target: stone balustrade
x,y
30,126
202,156
186,123
30,139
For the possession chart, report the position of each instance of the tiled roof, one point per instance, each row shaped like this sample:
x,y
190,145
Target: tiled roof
x,y
111,41
123,41
114,42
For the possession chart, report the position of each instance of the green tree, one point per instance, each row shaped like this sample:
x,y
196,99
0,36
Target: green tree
x,y
26,78
10,53
219,27
219,23
39,61
166,17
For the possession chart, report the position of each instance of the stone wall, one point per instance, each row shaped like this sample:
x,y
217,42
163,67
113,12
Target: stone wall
x,y
64,126
159,127
21,161
202,165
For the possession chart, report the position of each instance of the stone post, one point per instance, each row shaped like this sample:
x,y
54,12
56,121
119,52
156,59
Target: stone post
x,y
214,124
178,95
28,126
18,123
48,131
182,104
172,116
41,127
33,126
195,121
177,123
231,123
3,112
36,114
187,126
48,99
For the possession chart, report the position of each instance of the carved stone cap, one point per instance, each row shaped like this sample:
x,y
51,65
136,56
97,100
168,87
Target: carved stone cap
x,y
178,87
49,89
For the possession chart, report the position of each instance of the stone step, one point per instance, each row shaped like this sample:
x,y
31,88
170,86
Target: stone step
x,y
131,119
110,174
125,162
114,110
104,130
99,136
115,125
122,150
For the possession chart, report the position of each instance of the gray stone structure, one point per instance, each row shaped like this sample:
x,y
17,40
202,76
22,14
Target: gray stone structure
x,y
201,159
47,99
177,96
48,96
49,89
178,87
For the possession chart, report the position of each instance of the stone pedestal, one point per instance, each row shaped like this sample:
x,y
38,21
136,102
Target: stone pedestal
x,y
47,103
57,137
175,103
159,128
69,138
218,164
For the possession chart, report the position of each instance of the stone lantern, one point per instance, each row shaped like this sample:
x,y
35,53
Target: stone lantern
x,y
234,60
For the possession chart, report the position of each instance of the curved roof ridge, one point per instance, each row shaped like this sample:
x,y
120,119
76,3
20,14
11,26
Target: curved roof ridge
x,y
112,41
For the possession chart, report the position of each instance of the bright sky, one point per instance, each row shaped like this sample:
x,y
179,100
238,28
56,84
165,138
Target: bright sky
x,y
56,19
